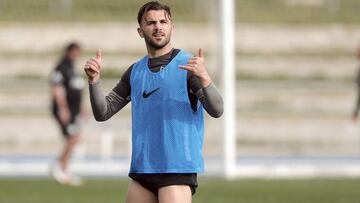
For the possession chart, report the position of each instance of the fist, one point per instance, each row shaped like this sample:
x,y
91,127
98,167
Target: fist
x,y
92,68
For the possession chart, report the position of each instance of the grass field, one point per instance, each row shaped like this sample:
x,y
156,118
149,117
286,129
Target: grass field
x,y
212,190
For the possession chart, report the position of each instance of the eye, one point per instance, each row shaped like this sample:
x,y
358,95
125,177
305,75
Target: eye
x,y
150,22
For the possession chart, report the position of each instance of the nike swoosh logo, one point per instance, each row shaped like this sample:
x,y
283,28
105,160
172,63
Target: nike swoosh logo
x,y
146,95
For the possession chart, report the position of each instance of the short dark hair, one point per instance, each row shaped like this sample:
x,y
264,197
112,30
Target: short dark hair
x,y
152,5
71,46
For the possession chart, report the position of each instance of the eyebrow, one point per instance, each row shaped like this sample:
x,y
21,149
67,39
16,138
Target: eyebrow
x,y
153,21
150,22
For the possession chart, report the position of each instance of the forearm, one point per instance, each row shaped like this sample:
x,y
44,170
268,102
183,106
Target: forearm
x,y
104,107
211,100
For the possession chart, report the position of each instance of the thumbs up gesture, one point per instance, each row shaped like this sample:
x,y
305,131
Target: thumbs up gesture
x,y
92,68
196,65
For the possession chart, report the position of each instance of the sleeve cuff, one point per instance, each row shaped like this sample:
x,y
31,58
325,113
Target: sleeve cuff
x,y
95,83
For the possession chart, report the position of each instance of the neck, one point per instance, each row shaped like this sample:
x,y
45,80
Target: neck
x,y
153,53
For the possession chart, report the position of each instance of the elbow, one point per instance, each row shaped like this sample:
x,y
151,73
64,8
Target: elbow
x,y
218,113
100,118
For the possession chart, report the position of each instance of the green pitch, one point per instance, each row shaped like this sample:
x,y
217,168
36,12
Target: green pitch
x,y
210,191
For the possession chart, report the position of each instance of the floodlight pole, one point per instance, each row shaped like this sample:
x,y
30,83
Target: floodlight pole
x,y
229,78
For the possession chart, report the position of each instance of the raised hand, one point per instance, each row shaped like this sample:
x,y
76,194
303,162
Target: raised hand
x,y
92,68
196,65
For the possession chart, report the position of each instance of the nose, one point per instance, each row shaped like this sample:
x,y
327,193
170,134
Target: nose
x,y
158,26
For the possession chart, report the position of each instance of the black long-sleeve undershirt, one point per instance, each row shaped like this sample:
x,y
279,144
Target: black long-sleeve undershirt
x,y
105,107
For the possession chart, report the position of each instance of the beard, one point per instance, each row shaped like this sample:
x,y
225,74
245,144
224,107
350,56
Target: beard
x,y
156,44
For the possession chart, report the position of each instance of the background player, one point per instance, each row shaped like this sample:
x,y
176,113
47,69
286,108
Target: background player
x,y
357,104
165,88
66,88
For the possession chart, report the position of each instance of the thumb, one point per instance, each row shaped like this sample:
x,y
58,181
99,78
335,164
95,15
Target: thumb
x,y
98,54
201,53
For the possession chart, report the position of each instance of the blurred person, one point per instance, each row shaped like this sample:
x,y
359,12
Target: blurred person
x,y
357,104
66,88
168,90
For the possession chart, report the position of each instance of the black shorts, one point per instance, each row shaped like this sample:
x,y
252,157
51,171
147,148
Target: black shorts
x,y
153,182
69,129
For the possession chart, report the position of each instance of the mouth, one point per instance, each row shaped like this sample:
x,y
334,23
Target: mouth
x,y
158,35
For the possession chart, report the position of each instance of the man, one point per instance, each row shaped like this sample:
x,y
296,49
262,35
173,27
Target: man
x,y
66,91
357,104
168,90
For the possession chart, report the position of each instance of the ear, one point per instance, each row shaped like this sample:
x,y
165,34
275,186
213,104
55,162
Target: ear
x,y
140,32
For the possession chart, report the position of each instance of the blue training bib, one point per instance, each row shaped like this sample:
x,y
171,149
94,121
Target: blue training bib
x,y
167,135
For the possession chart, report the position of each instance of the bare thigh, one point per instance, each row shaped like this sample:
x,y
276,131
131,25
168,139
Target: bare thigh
x,y
138,194
175,194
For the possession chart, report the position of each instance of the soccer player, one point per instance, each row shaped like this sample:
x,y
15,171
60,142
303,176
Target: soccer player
x,y
357,104
66,89
168,90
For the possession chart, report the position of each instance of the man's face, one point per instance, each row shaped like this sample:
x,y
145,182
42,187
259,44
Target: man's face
x,y
156,28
